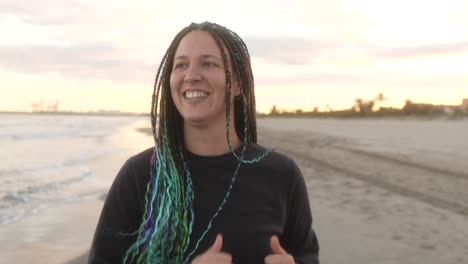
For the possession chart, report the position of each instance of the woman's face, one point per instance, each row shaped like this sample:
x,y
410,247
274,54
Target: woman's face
x,y
198,80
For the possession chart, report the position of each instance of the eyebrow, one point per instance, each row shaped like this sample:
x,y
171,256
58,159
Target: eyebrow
x,y
205,56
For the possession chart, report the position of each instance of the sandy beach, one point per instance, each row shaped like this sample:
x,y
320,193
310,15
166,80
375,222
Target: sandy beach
x,y
381,191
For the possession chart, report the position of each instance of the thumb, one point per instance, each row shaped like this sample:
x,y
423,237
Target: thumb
x,y
276,247
217,245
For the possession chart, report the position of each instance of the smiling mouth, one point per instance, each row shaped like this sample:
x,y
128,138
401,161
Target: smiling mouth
x,y
194,96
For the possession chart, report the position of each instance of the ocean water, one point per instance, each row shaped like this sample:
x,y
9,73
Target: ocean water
x,y
48,160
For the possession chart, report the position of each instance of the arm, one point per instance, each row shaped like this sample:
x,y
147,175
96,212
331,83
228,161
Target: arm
x,y
120,216
299,238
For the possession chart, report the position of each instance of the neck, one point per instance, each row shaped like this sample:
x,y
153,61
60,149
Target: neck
x,y
206,141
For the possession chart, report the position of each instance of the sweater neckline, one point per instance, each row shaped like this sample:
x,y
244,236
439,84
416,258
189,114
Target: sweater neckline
x,y
224,156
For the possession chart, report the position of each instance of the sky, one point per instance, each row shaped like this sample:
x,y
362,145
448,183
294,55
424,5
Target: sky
x,y
91,55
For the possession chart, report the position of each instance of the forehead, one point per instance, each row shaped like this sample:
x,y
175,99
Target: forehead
x,y
198,43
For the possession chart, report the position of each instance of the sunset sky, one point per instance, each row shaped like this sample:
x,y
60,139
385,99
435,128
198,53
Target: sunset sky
x,y
91,55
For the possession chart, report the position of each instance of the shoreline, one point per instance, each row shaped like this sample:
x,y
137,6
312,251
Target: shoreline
x,y
57,232
58,113
323,116
373,199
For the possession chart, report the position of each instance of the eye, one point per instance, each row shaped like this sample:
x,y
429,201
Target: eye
x,y
209,64
180,65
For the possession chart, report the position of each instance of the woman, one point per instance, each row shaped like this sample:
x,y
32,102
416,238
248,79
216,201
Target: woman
x,y
206,193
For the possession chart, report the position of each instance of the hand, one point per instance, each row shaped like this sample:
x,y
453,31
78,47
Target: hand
x,y
214,254
279,256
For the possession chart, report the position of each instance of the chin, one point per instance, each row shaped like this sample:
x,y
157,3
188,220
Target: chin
x,y
196,118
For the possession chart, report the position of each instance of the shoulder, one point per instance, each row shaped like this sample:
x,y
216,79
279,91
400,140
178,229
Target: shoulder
x,y
136,169
279,168
273,160
130,183
142,159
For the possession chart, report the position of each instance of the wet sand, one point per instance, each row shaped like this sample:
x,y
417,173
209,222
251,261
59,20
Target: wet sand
x,y
59,232
381,191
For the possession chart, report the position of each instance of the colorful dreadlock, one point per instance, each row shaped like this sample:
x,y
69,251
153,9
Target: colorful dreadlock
x,y
164,233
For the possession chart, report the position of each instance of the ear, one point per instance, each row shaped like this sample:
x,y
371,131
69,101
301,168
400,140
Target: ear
x,y
235,88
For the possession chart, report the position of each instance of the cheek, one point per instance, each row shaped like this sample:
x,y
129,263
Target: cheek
x,y
174,84
220,83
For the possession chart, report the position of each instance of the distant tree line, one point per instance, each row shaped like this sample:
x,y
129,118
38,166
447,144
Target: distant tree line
x,y
368,108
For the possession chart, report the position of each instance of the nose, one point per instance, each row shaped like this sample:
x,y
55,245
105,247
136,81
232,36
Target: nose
x,y
192,74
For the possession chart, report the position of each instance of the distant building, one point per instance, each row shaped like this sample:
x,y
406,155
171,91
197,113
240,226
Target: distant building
x,y
447,109
464,104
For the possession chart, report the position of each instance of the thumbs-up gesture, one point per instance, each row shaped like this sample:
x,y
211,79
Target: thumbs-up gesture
x,y
279,256
214,254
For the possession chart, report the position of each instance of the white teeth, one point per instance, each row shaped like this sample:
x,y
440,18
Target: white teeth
x,y
195,95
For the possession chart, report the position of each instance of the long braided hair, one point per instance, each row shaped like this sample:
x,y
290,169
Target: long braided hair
x,y
164,233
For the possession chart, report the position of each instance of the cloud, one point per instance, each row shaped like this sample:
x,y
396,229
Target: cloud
x,y
100,60
376,78
311,78
421,51
47,12
287,50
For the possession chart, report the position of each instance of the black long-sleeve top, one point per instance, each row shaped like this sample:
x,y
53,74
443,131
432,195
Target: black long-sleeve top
x,y
268,198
